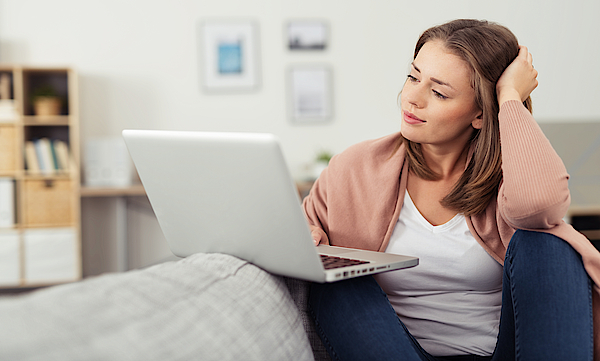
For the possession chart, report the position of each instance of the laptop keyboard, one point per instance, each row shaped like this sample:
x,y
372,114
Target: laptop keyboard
x,y
331,262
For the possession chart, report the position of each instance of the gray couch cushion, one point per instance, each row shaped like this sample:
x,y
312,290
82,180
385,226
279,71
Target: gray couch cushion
x,y
205,307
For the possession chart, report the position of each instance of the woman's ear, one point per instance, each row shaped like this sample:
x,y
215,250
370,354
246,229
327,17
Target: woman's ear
x,y
478,122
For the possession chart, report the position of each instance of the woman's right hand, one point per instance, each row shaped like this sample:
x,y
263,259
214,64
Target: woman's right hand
x,y
316,236
319,236
519,79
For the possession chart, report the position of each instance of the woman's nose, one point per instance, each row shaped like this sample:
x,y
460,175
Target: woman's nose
x,y
413,95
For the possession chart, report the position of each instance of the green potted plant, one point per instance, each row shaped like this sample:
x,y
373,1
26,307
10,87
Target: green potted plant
x,y
321,162
46,101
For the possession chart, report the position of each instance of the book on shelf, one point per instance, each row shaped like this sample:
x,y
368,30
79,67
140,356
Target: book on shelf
x,y
31,161
44,154
47,157
62,155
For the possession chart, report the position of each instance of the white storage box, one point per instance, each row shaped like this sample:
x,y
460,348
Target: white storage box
x,y
51,255
107,163
10,259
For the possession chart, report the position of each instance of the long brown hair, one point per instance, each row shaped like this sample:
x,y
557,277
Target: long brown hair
x,y
487,48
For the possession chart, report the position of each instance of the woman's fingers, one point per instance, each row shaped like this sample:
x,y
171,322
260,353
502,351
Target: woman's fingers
x,y
519,78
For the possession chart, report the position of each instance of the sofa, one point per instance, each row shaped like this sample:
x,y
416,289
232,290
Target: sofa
x,y
203,307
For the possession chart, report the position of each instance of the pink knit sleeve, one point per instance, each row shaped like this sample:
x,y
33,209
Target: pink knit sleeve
x,y
534,193
315,209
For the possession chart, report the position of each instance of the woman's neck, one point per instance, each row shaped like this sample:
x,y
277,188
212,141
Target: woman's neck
x,y
447,162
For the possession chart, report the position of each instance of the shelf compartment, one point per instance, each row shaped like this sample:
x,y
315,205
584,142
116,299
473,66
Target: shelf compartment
x,y
55,79
48,201
50,256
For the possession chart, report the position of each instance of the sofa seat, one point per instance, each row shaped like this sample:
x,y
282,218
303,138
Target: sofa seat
x,y
204,307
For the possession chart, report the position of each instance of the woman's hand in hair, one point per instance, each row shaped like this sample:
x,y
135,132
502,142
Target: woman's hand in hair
x,y
519,78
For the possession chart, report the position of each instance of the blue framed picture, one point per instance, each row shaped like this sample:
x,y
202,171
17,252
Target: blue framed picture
x,y
228,60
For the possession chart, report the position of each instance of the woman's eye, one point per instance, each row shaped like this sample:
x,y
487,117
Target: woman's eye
x,y
439,95
412,78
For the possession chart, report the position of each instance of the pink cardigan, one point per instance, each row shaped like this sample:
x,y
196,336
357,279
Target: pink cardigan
x,y
357,200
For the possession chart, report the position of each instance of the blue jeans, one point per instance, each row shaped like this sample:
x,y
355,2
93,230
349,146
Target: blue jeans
x,y
546,310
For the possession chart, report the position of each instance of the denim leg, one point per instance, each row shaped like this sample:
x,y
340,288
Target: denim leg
x,y
356,322
546,301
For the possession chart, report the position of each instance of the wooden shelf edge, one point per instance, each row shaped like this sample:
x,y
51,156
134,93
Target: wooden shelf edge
x,y
34,120
134,190
584,210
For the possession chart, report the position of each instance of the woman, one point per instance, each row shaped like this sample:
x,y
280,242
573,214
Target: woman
x,y
473,188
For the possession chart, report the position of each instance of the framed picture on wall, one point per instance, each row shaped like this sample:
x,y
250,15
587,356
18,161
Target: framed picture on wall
x,y
310,93
307,35
229,56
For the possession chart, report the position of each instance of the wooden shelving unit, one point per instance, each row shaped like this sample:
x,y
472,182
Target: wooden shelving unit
x,y
40,239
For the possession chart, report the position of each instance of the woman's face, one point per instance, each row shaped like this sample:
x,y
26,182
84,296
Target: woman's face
x,y
437,101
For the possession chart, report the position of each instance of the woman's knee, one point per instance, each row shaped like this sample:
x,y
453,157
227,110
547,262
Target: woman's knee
x,y
540,244
543,256
550,291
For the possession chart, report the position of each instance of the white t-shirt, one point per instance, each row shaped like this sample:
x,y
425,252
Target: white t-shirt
x,y
451,301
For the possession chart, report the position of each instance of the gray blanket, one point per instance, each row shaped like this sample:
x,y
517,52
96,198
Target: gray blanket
x,y
204,307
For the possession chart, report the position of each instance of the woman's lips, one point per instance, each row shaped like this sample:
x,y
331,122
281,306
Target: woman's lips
x,y
410,118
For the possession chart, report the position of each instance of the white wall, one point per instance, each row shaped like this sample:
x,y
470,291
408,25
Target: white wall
x,y
139,65
138,60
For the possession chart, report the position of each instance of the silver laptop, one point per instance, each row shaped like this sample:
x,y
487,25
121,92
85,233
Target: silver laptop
x,y
232,193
